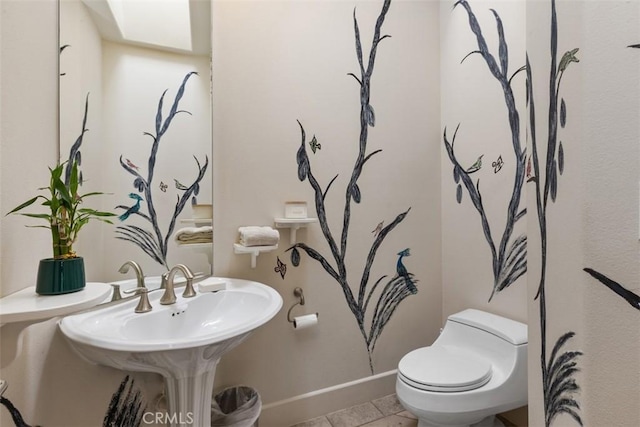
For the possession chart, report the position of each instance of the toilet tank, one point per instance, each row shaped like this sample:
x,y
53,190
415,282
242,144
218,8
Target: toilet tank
x,y
486,334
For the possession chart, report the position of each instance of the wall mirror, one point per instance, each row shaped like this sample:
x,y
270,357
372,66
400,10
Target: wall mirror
x,y
135,112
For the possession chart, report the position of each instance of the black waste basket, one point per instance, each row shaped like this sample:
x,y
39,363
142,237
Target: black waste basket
x,y
238,406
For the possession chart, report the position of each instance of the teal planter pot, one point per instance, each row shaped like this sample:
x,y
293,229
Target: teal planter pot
x,y
60,276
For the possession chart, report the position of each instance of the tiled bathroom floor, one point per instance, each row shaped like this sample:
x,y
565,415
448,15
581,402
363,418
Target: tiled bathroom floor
x,y
383,412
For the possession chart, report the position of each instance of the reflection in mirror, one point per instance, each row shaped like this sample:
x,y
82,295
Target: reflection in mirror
x,y
135,112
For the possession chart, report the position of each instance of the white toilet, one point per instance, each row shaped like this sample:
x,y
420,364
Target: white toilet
x,y
476,369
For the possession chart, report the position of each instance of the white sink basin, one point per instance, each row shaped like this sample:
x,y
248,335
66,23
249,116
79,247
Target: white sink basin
x,y
208,318
183,341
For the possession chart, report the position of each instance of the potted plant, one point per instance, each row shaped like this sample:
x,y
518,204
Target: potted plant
x,y
64,272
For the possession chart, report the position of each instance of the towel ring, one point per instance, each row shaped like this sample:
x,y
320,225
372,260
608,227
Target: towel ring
x,y
297,292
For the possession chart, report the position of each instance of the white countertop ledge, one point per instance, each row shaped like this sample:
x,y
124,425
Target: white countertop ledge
x,y
26,305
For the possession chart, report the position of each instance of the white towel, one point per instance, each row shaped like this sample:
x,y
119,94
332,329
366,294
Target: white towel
x,y
189,235
258,236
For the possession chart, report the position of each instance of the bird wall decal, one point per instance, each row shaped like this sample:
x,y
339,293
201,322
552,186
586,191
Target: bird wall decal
x,y
476,166
133,209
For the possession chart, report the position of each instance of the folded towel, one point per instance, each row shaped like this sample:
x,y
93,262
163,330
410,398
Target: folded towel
x,y
258,236
189,235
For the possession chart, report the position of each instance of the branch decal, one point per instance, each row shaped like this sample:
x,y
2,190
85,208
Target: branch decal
x,y
558,369
403,284
509,256
155,243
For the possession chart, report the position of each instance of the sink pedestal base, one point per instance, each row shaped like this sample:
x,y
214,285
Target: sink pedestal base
x,y
188,375
189,398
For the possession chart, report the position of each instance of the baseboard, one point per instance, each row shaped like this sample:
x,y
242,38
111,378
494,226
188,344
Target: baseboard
x,y
310,405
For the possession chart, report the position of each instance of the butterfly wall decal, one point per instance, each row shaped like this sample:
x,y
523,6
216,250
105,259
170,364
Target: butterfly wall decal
x,y
497,165
281,268
314,144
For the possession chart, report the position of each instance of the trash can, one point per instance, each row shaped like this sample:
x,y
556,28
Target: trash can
x,y
238,406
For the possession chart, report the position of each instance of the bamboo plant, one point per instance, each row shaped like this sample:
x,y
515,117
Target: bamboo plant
x,y
66,214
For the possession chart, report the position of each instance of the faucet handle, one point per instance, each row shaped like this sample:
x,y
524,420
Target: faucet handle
x,y
189,292
116,296
143,305
135,291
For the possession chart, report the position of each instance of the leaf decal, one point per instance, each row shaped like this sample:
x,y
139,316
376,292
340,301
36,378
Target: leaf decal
x,y
553,181
127,406
357,197
616,287
138,183
560,384
370,115
303,163
295,257
503,52
459,193
560,158
563,113
456,174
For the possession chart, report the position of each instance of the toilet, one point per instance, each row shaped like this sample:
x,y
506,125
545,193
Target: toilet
x,y
474,370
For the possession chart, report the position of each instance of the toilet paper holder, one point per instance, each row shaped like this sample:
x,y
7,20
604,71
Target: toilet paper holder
x,y
297,292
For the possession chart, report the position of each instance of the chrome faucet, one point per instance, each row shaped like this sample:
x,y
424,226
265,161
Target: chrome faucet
x,y
139,275
169,296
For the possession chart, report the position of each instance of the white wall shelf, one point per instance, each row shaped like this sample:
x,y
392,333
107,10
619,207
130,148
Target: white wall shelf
x,y
26,305
254,251
294,224
199,222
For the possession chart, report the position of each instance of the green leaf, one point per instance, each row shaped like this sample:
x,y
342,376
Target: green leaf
x,y
63,193
24,205
39,216
94,212
73,179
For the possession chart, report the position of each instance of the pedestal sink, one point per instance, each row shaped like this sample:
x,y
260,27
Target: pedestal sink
x,y
183,342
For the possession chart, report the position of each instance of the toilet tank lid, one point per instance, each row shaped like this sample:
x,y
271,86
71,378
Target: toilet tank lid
x,y
507,329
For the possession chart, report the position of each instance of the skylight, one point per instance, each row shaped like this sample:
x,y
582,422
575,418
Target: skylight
x,y
157,22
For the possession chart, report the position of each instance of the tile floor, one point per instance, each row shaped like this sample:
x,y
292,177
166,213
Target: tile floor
x,y
383,412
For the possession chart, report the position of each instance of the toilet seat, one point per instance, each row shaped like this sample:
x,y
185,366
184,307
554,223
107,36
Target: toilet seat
x,y
440,369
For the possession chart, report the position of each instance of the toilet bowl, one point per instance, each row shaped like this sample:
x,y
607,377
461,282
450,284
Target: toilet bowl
x,y
476,369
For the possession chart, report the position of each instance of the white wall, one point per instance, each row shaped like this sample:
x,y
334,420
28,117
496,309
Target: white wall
x,y
612,99
594,222
81,64
473,99
134,80
276,62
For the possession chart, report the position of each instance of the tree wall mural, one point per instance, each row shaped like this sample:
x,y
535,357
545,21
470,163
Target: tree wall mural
x,y
155,243
393,289
558,367
510,255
